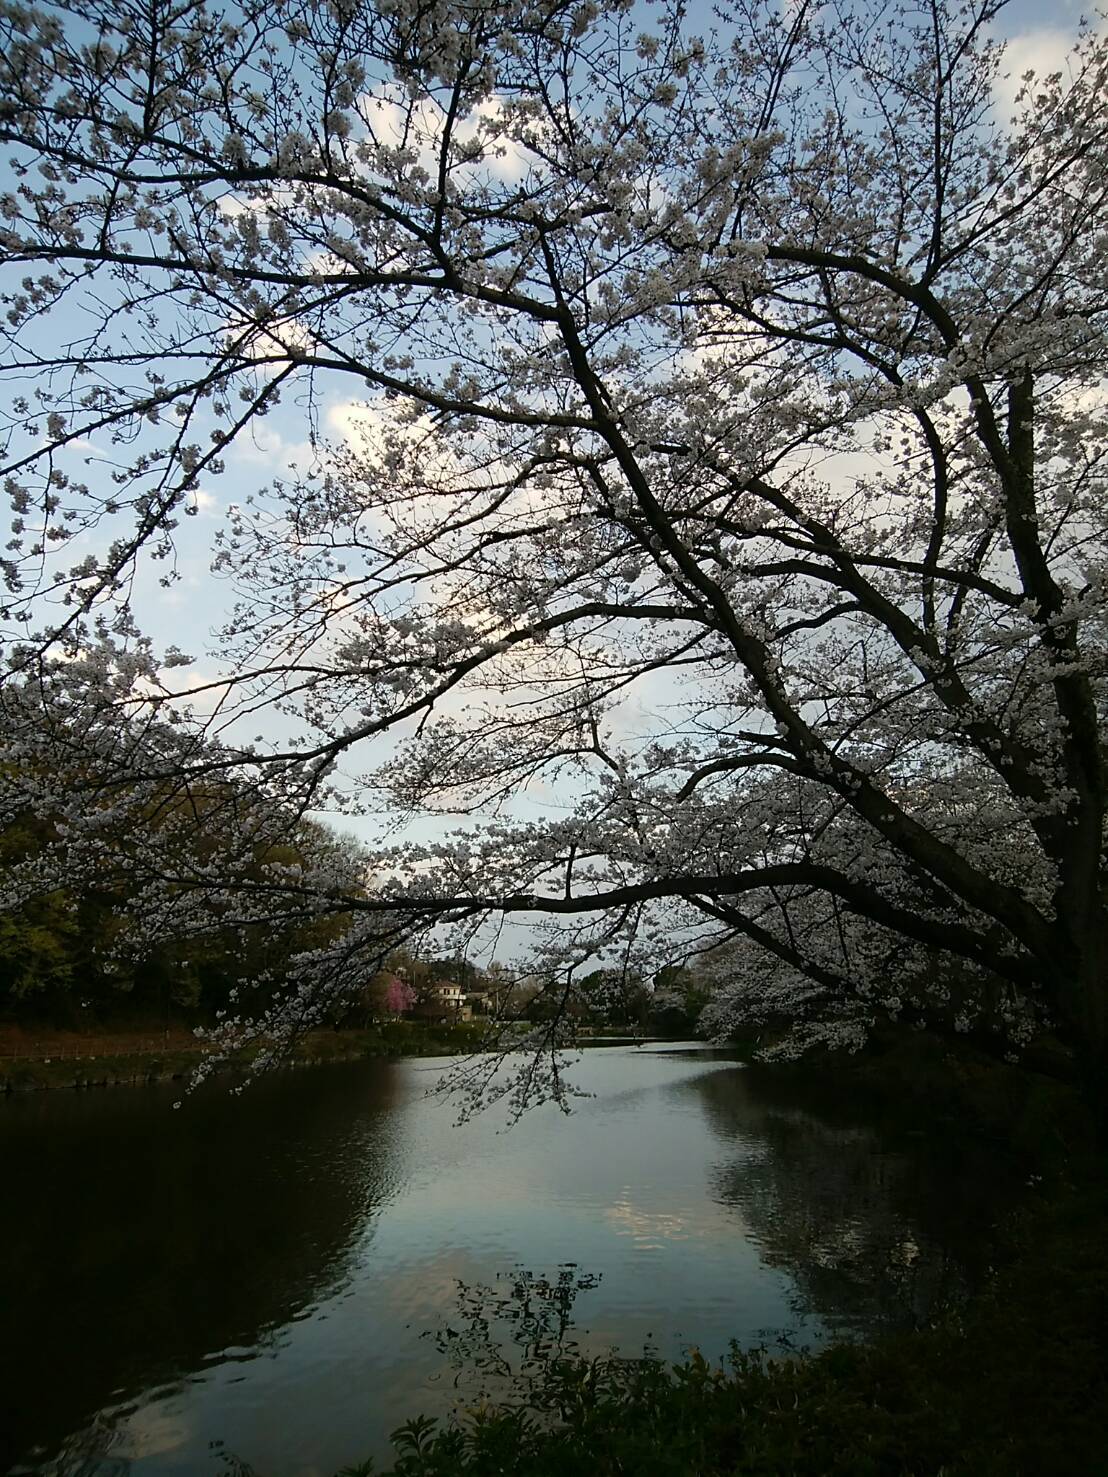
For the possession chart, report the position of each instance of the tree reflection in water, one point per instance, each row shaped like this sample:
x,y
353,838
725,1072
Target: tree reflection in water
x,y
162,1242
874,1236
503,1338
161,1249
874,1232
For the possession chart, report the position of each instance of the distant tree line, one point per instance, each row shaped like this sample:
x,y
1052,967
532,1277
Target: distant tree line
x,y
85,952
670,1003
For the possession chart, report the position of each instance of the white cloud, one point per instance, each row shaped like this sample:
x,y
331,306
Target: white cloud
x,y
483,131
205,503
1044,51
263,445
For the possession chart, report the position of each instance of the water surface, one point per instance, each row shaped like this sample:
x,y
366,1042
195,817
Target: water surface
x,y
270,1270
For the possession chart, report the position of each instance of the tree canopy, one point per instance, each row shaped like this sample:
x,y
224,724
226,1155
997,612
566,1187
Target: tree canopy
x,y
132,898
721,471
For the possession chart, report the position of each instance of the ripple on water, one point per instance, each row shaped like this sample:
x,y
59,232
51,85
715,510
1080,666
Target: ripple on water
x,y
265,1270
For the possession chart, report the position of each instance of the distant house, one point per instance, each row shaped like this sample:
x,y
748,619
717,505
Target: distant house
x,y
443,1000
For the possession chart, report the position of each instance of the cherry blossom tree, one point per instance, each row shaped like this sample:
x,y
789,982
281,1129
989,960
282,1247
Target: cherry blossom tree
x,y
705,442
399,996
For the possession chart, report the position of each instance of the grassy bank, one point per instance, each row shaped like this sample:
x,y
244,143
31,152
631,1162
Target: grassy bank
x,y
391,1039
120,1068
114,1069
66,1064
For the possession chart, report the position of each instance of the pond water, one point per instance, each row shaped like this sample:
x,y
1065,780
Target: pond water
x,y
295,1271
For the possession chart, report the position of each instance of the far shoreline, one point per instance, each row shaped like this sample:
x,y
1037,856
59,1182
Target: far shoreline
x,y
66,1064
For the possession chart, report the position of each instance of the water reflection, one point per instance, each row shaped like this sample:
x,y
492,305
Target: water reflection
x,y
160,1242
874,1231
260,1270
502,1339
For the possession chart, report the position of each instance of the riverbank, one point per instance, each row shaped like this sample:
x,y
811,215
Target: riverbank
x,y
77,1061
112,1064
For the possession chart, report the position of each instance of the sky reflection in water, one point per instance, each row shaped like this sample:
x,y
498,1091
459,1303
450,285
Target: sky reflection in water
x,y
266,1270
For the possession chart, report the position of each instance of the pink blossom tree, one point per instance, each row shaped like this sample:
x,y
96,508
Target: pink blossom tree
x,y
399,996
